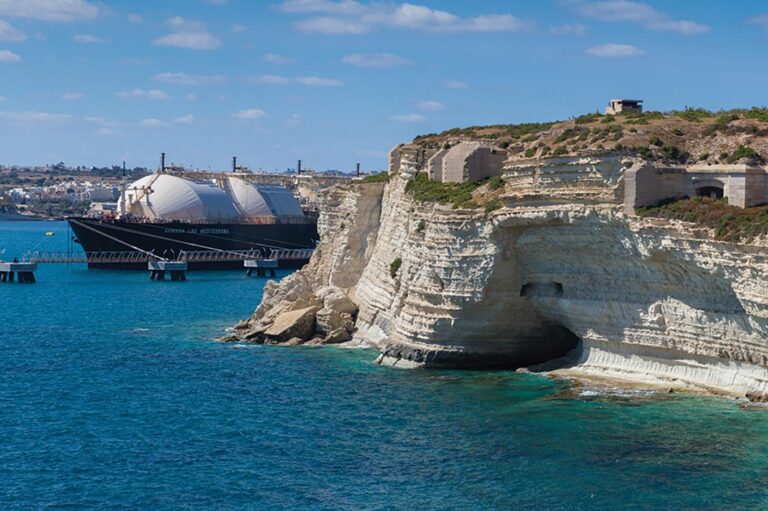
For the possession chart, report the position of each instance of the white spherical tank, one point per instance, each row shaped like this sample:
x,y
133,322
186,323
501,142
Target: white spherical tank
x,y
166,197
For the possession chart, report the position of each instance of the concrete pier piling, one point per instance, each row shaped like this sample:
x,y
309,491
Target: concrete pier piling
x,y
176,269
24,272
261,267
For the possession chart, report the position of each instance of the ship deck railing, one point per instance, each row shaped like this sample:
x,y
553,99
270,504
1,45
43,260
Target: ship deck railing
x,y
134,256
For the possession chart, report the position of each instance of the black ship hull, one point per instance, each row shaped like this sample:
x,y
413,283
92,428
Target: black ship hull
x,y
171,239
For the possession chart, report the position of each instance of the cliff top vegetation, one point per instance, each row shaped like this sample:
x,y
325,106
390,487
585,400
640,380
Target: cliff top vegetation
x,y
692,135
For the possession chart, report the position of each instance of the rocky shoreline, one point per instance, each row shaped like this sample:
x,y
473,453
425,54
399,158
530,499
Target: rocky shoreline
x,y
558,270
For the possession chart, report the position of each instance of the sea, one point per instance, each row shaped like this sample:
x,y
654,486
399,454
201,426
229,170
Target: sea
x,y
115,395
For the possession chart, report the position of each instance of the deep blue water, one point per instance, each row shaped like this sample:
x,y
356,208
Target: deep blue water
x,y
113,395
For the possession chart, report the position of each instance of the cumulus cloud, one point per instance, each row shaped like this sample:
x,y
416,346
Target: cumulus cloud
x,y
374,60
188,34
431,106
455,84
353,17
9,56
153,94
32,117
410,118
188,79
312,81
250,114
613,50
50,10
9,33
636,12
87,39
273,58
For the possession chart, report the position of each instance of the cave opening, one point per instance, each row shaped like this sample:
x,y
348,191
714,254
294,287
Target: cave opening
x,y
713,192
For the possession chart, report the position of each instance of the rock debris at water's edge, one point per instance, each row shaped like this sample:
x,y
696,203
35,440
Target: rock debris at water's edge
x,y
559,269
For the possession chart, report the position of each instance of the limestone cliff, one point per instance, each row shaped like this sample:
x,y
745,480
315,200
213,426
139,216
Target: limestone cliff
x,y
558,270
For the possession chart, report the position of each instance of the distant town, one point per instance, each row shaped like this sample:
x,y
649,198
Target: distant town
x,y
59,190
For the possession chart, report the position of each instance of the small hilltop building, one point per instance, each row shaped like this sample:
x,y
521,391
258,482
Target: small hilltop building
x,y
624,106
466,162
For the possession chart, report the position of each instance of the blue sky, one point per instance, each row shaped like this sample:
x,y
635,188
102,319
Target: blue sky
x,y
337,82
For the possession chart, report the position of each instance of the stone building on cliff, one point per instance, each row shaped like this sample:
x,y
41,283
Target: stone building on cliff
x,y
647,184
466,162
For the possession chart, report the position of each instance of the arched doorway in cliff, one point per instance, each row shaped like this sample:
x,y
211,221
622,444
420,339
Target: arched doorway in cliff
x,y
710,188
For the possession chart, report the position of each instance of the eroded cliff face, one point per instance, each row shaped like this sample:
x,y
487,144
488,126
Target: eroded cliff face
x,y
559,272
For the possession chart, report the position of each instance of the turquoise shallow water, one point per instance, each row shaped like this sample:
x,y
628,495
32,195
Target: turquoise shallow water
x,y
113,396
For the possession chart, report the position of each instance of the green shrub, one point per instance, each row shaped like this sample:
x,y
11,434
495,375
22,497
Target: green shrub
x,y
678,132
693,114
561,150
657,142
703,156
459,195
729,222
493,205
743,152
495,183
530,153
608,119
381,177
394,267
587,118
421,226
675,154
645,152
758,114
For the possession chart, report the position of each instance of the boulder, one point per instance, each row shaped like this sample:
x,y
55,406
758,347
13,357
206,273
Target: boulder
x,y
295,323
337,311
337,336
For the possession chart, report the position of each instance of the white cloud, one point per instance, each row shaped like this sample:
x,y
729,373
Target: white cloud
x,y
135,18
293,120
250,114
568,29
9,56
189,40
72,96
153,94
187,79
189,34
636,12
352,17
185,119
50,10
313,81
87,39
316,81
408,118
760,20
9,33
31,117
374,60
431,106
613,50
455,84
273,58
153,123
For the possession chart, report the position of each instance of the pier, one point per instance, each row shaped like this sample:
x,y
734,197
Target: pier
x,y
24,271
261,267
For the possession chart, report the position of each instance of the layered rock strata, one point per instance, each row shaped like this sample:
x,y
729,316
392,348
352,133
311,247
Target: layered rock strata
x,y
560,269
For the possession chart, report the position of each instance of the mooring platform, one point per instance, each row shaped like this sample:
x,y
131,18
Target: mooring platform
x,y
157,270
261,266
25,272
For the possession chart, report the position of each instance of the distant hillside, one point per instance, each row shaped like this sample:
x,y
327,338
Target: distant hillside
x,y
687,136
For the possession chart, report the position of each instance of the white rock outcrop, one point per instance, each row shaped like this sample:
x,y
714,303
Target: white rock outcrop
x,y
560,270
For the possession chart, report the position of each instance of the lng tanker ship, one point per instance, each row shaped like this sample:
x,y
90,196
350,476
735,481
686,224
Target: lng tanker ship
x,y
169,215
